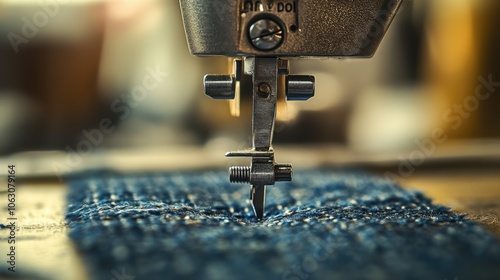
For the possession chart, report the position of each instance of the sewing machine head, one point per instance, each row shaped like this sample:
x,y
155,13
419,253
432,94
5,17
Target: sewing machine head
x,y
261,36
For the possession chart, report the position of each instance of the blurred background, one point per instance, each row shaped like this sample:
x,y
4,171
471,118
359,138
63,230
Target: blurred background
x,y
111,85
69,67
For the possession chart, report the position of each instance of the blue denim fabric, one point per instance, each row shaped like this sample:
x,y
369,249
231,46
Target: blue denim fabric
x,y
323,225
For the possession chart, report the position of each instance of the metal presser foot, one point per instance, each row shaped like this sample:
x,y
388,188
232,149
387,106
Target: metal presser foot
x,y
263,33
263,170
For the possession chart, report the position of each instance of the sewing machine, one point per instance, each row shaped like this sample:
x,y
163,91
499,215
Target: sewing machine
x,y
261,36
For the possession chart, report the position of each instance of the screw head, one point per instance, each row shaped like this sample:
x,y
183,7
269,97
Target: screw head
x,y
219,86
283,172
264,89
299,87
266,34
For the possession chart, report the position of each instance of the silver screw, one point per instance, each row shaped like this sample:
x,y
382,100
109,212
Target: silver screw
x,y
219,86
283,172
264,89
242,174
266,34
299,87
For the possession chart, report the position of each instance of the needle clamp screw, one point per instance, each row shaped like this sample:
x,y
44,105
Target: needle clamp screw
x,y
266,34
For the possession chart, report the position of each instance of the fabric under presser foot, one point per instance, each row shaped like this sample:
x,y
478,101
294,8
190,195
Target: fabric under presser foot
x,y
323,225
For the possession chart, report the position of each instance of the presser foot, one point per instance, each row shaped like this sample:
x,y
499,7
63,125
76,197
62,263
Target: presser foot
x,y
265,72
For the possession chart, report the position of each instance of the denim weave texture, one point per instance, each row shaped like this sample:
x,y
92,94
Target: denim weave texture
x,y
326,224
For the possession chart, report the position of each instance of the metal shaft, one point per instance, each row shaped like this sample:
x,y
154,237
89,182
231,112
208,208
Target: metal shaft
x,y
265,95
265,77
